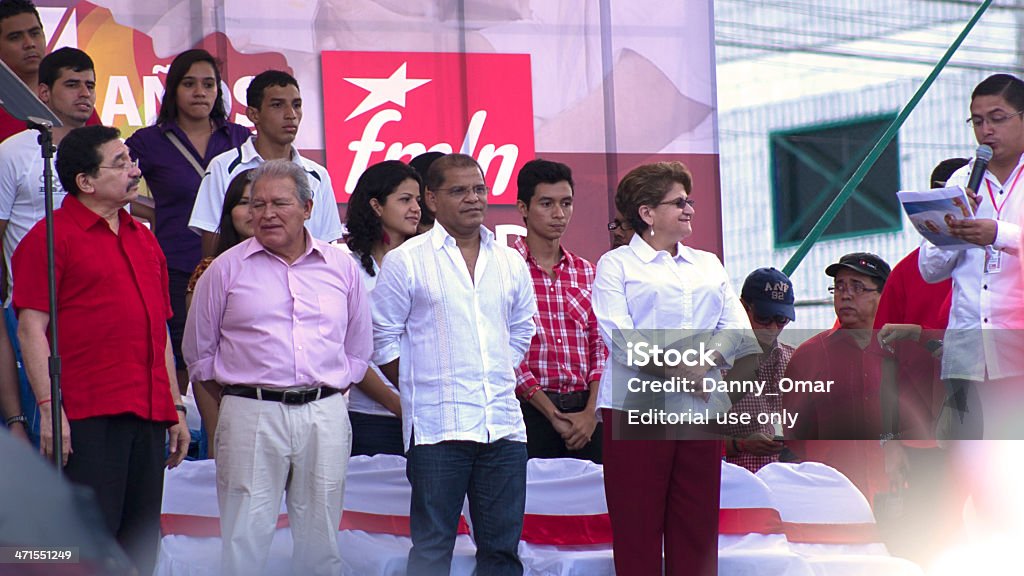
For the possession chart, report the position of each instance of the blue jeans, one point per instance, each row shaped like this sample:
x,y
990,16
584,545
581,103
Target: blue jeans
x,y
374,434
28,399
442,475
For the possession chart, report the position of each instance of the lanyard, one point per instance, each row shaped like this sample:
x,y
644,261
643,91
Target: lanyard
x,y
999,207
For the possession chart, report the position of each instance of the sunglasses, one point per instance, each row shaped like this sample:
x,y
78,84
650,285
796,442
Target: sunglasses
x,y
779,320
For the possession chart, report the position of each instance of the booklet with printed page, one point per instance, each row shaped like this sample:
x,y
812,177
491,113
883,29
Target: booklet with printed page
x,y
932,211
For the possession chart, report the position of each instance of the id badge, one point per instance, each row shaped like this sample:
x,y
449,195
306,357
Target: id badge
x,y
993,260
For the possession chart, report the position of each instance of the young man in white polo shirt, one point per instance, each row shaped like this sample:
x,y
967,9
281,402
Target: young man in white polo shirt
x,y
275,108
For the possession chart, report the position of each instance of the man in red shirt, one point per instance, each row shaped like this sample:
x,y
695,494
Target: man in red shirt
x,y
22,45
557,381
119,391
840,420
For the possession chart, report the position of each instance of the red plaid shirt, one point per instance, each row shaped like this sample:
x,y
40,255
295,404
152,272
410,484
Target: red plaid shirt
x,y
567,353
771,369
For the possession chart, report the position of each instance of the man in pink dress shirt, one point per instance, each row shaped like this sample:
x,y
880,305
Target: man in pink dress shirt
x,y
282,323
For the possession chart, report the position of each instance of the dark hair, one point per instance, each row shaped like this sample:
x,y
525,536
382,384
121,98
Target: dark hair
x,y
179,68
541,171
647,185
945,169
51,65
79,153
264,80
228,235
422,164
9,8
363,224
439,168
1008,86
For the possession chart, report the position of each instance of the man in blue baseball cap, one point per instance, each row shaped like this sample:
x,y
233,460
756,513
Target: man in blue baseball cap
x,y
768,298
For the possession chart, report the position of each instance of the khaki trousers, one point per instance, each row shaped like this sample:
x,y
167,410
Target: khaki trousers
x,y
266,449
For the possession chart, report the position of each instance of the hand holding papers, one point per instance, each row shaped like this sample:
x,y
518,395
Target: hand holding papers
x,y
933,212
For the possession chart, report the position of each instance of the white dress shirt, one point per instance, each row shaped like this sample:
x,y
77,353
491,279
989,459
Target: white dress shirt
x,y
645,295
986,306
459,338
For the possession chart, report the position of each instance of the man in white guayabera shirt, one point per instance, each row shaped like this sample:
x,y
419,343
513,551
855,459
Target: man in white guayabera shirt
x,y
453,316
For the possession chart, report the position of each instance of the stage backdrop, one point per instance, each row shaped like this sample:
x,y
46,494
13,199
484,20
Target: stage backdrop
x,y
600,85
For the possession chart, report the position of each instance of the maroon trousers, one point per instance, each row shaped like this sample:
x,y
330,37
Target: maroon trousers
x,y
662,491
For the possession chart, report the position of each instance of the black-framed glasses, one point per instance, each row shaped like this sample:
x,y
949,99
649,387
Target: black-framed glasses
x,y
680,203
461,192
853,288
778,319
616,225
995,119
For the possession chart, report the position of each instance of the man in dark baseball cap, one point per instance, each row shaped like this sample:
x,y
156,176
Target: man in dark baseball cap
x,y
859,279
768,295
768,298
864,263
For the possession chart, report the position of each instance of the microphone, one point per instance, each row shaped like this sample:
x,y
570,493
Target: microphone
x,y
981,159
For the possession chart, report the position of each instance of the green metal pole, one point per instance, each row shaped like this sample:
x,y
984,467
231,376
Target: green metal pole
x,y
872,157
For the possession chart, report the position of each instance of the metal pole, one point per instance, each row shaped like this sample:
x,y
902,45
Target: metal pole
x,y
872,157
47,148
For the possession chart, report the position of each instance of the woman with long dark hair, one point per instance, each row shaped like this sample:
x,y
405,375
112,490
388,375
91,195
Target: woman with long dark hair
x,y
383,212
190,130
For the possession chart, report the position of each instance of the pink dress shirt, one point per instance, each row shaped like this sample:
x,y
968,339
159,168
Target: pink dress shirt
x,y
257,320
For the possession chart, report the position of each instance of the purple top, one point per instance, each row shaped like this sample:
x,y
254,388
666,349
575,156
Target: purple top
x,y
174,183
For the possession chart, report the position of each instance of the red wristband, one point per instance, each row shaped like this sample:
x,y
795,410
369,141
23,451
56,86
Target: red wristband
x,y
529,393
40,403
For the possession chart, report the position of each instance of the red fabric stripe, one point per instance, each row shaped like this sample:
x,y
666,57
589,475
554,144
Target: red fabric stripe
x,y
209,526
570,530
865,533
199,526
738,521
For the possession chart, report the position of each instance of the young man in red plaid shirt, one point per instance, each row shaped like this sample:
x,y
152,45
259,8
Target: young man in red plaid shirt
x,y
557,382
768,298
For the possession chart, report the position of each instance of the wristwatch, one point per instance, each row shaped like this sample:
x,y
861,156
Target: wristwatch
x,y
19,418
181,408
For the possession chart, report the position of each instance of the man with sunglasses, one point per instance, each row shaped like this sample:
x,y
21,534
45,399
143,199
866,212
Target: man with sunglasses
x,y
621,230
768,298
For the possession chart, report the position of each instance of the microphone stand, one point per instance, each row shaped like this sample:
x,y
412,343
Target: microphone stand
x,y
45,129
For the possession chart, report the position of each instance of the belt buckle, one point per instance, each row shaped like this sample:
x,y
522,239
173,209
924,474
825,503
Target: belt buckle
x,y
293,397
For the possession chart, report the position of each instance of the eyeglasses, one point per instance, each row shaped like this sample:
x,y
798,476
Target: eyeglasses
x,y
679,203
995,119
616,225
123,166
779,320
854,288
461,192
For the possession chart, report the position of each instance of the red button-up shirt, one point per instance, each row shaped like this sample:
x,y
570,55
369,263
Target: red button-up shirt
x,y
112,308
567,353
842,427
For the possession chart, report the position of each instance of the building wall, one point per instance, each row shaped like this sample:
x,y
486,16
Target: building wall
x,y
935,130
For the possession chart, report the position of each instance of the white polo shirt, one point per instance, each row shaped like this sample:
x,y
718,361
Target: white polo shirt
x,y
22,202
324,222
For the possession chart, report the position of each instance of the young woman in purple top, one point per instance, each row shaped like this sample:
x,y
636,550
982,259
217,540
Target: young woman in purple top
x,y
191,129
